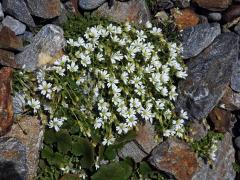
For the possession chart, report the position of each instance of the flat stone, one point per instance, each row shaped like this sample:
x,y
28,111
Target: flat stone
x,y
16,26
185,18
146,137
45,48
135,11
182,3
175,157
132,150
215,16
19,10
9,41
1,12
232,12
221,119
13,162
230,101
6,108
222,167
196,39
209,74
7,58
30,134
46,9
213,5
235,78
90,4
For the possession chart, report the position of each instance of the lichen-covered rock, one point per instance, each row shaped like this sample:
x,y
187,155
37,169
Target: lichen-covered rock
x,y
175,157
13,161
185,18
145,137
45,48
90,4
30,134
19,10
196,39
222,167
209,74
8,40
213,5
132,150
135,10
16,26
46,9
6,108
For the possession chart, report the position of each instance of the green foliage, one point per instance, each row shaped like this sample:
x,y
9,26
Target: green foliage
x,y
236,167
114,171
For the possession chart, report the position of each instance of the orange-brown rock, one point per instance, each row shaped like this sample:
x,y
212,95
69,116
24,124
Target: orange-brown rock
x,y
6,108
221,119
213,5
175,157
8,40
185,18
231,13
7,59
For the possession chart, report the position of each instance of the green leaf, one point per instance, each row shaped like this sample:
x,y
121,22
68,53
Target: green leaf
x,y
114,171
64,141
69,177
144,169
110,153
50,136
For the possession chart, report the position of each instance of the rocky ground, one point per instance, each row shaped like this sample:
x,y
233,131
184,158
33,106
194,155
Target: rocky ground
x,y
31,35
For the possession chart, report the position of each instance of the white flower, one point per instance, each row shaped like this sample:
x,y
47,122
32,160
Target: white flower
x,y
45,88
62,61
108,141
127,27
73,67
164,91
183,114
59,70
100,57
35,104
124,77
135,102
181,74
99,123
160,104
147,114
116,57
131,121
172,94
156,31
148,25
56,123
112,81
57,88
85,59
122,128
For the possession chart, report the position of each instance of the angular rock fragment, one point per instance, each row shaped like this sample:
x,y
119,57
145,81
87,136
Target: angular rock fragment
x,y
6,109
19,10
232,12
90,4
132,150
29,132
13,24
209,75
135,10
222,167
9,41
196,39
235,78
45,47
230,101
1,12
185,18
13,161
46,9
213,5
221,119
7,58
197,130
175,157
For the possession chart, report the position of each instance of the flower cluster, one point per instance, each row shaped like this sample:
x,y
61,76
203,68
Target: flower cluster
x,y
111,79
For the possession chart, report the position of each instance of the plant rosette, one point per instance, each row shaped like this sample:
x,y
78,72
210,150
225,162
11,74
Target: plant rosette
x,y
109,80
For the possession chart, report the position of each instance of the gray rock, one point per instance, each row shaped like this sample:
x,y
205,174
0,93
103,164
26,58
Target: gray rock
x,y
197,38
90,4
135,10
1,12
208,77
44,8
19,10
230,100
45,46
181,3
13,161
222,166
15,25
237,28
197,130
163,4
235,79
18,104
237,142
27,36
132,150
63,16
215,16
